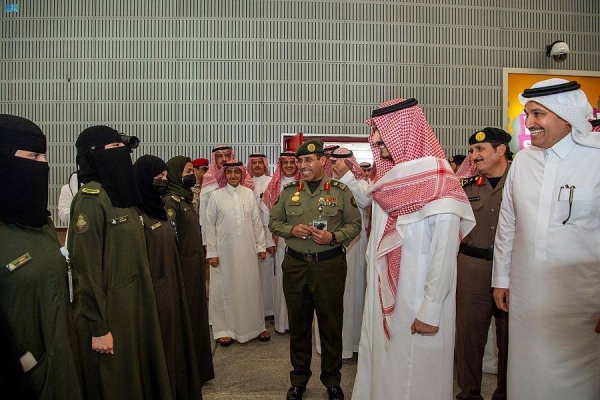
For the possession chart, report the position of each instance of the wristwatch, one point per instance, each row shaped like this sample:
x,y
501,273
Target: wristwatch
x,y
333,240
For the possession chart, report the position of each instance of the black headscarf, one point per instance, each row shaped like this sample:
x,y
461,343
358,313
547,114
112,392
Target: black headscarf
x,y
146,168
24,197
176,166
110,167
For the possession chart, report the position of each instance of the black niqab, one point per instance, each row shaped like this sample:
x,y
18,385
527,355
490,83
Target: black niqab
x,y
24,197
110,167
146,168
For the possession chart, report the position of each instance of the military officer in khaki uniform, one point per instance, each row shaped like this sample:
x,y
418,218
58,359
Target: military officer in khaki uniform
x,y
474,300
316,216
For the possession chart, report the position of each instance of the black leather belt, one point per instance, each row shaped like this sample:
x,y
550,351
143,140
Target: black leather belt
x,y
315,257
477,252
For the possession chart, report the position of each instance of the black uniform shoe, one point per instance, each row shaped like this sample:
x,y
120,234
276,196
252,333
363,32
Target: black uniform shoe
x,y
335,393
295,392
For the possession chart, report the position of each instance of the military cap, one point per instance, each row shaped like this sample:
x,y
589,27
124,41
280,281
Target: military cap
x,y
490,135
310,147
200,162
458,159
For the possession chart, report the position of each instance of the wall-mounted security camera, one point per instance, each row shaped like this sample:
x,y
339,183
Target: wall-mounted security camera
x,y
558,50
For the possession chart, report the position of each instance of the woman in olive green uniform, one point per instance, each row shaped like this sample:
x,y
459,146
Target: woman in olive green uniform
x,y
178,203
36,357
116,318
161,243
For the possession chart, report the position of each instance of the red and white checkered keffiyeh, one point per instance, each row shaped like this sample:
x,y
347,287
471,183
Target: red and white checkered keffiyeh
x,y
416,183
214,175
255,156
467,169
328,167
343,153
272,192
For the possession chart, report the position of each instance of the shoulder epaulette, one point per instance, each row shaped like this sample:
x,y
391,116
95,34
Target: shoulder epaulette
x,y
339,184
90,191
468,181
294,183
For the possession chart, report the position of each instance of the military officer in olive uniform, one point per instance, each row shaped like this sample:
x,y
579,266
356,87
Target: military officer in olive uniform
x,y
178,203
116,318
316,216
475,304
36,355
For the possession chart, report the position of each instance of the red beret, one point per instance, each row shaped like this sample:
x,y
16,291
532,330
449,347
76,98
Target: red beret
x,y
200,162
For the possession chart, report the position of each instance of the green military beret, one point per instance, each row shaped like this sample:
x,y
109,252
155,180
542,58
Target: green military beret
x,y
310,147
487,135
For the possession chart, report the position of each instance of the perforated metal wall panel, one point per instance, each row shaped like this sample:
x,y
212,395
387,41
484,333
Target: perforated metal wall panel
x,y
184,75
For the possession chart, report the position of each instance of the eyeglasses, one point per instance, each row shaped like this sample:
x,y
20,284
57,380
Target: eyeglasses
x,y
379,143
571,190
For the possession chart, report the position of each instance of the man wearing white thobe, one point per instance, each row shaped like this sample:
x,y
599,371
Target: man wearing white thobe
x,y
235,240
346,169
407,341
286,172
547,252
258,168
214,179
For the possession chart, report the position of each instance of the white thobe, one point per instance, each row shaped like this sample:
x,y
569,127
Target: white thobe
x,y
354,291
279,306
265,266
234,233
204,197
553,272
415,367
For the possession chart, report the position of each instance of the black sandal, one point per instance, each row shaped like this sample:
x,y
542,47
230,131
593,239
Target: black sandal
x,y
225,341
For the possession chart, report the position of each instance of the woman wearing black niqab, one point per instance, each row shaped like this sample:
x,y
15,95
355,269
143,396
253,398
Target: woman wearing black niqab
x,y
165,269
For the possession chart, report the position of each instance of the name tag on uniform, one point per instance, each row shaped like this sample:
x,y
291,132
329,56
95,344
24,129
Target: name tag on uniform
x,y
119,220
476,198
19,262
156,226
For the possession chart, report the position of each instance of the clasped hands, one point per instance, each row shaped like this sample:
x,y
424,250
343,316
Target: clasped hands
x,y
319,236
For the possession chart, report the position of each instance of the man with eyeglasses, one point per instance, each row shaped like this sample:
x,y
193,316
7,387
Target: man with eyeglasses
x,y
547,252
317,217
475,304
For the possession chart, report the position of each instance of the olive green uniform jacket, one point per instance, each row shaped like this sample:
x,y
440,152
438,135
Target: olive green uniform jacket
x,y
173,312
34,306
295,207
192,259
114,293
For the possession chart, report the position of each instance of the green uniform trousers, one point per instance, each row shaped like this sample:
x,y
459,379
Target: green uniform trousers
x,y
310,287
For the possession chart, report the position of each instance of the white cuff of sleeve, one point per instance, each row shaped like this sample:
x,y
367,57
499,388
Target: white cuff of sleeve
x,y
211,254
430,313
347,178
500,282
